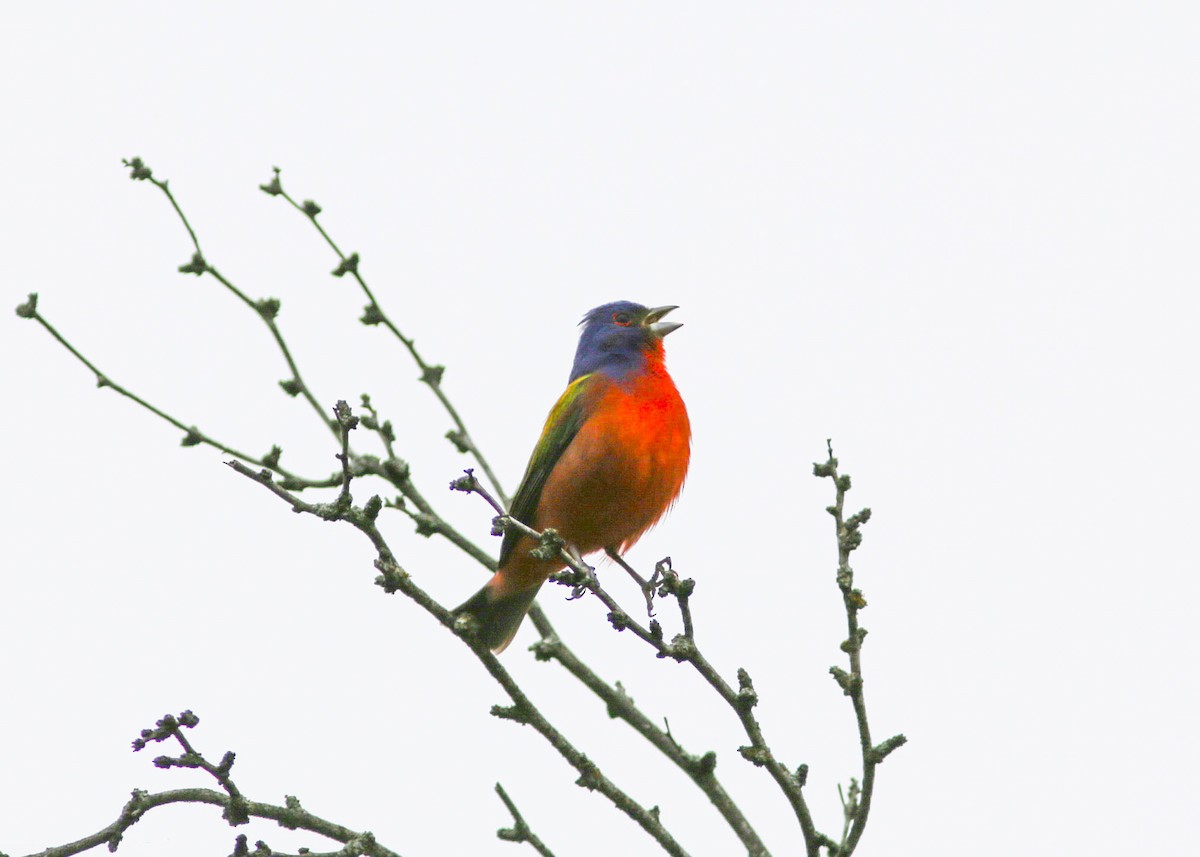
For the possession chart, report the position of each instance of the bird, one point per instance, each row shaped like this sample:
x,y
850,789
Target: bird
x,y
610,462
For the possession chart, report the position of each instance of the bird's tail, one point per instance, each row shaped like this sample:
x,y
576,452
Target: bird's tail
x,y
499,614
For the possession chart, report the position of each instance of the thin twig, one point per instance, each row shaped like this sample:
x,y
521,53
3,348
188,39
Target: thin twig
x,y
469,484
170,727
849,801
236,808
192,435
392,469
670,583
699,768
265,309
431,375
291,816
347,422
849,536
520,831
387,434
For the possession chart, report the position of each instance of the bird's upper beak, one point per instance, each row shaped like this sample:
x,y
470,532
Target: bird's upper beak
x,y
660,328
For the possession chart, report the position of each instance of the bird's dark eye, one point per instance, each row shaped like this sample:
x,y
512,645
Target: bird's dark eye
x,y
622,318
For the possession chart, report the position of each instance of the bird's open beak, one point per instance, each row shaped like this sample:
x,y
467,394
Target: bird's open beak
x,y
660,328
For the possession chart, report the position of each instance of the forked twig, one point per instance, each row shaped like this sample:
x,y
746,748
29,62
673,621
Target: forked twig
x,y
520,831
236,809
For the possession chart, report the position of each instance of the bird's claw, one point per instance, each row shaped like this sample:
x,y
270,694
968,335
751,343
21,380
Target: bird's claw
x,y
580,580
648,594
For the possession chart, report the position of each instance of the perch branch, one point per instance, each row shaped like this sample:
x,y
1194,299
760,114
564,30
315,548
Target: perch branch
x,y
394,579
700,769
581,577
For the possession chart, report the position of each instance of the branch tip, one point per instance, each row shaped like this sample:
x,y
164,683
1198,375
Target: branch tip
x,y
273,187
345,416
271,459
882,750
29,308
138,171
706,764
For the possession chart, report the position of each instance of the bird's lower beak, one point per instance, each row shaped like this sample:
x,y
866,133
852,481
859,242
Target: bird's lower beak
x,y
660,328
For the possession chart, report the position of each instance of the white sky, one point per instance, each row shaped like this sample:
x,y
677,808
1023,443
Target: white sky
x,y
959,242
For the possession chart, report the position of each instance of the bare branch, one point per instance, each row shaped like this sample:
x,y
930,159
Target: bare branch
x,y
266,309
291,816
386,434
192,435
236,809
578,575
581,577
857,806
700,769
431,375
468,484
520,831
169,727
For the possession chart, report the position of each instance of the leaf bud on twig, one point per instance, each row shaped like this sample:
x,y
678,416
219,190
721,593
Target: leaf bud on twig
x,y
273,187
348,265
196,266
371,315
268,308
138,171
29,308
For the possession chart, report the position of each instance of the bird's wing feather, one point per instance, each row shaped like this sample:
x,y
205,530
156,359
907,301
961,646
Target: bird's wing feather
x,y
565,419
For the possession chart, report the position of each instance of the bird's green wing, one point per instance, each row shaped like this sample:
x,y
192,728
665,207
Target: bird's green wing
x,y
562,425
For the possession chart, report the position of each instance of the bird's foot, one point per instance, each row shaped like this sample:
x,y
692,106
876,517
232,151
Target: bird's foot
x,y
648,587
581,577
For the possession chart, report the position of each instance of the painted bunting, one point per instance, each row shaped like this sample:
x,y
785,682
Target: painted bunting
x,y
610,462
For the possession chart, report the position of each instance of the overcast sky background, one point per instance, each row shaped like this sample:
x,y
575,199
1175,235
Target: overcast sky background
x,y
960,242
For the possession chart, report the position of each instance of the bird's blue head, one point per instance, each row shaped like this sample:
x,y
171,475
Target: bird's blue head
x,y
617,339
